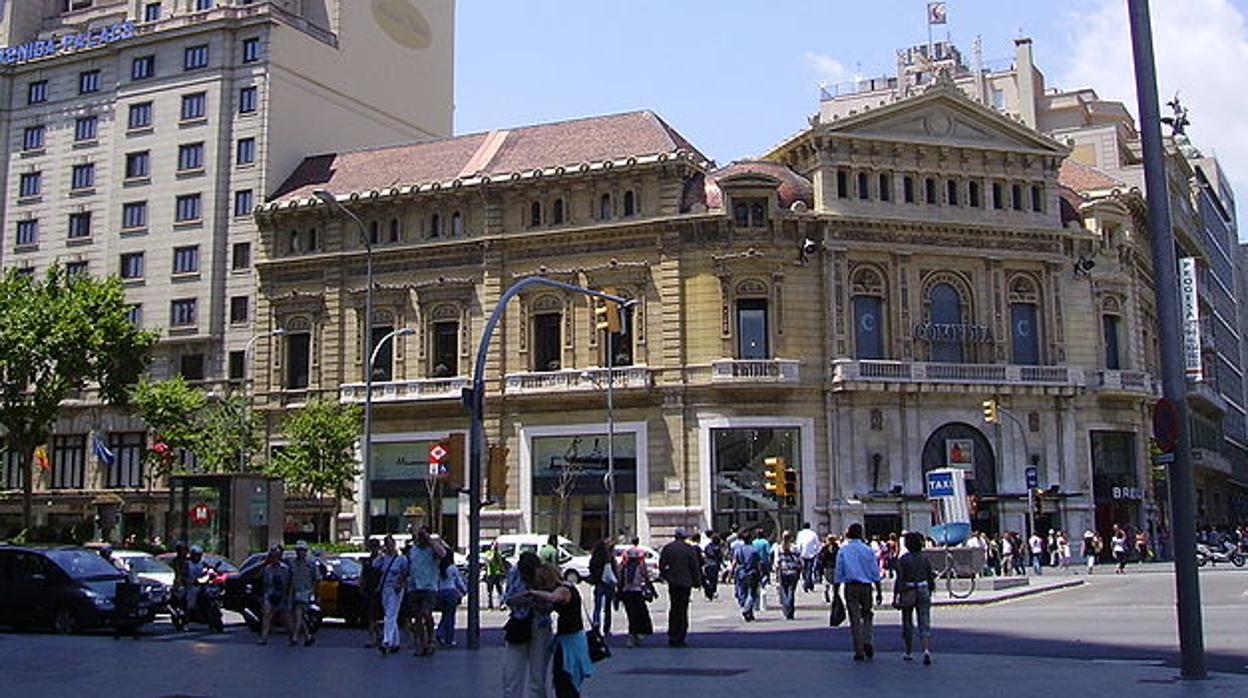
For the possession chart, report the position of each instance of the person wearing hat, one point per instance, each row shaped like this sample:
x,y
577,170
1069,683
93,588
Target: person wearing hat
x,y
304,574
681,568
193,570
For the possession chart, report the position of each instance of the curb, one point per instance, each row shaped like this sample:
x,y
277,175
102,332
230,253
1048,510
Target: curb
x,y
1010,595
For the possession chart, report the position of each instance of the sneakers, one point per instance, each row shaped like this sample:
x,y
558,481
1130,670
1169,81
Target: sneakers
x,y
908,657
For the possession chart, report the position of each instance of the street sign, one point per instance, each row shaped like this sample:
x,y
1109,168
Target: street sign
x,y
436,453
939,484
1165,425
1163,458
200,514
1033,477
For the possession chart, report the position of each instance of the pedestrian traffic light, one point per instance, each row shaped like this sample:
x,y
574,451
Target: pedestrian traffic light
x,y
773,473
790,487
990,412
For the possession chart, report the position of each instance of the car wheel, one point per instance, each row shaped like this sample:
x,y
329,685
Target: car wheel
x,y
65,622
572,577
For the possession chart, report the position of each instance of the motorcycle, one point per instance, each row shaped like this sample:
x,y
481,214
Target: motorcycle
x,y
210,589
1230,552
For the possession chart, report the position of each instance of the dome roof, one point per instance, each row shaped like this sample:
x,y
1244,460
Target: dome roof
x,y
790,186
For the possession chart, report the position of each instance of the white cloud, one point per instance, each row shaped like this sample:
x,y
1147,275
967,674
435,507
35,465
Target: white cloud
x,y
1201,49
827,69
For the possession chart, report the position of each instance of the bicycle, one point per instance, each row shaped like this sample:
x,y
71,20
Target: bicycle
x,y
959,586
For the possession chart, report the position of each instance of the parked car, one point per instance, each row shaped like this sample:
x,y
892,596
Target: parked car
x,y
70,589
573,560
143,565
338,593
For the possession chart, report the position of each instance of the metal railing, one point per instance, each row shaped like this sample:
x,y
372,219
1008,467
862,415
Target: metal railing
x,y
883,371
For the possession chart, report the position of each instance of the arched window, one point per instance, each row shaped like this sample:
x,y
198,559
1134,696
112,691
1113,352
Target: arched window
x,y
396,230
444,341
1024,322
457,224
1111,328
630,203
951,192
620,344
295,243
945,311
547,333
535,214
435,226
556,212
869,321
604,207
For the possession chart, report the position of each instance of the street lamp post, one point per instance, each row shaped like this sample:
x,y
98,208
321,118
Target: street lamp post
x,y
243,408
332,201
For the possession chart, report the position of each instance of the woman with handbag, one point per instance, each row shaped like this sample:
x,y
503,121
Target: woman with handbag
x,y
913,595
571,664
527,633
635,590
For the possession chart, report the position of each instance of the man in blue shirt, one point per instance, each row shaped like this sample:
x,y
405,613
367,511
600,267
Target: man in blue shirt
x,y
747,571
857,571
422,587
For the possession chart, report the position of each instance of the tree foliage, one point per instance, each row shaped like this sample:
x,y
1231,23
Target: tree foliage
x,y
319,456
183,417
61,334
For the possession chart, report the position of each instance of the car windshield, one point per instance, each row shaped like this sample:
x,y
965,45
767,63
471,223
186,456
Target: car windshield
x,y
147,565
82,564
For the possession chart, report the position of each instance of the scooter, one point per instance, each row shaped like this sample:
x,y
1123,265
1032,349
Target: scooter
x,y
1229,553
210,588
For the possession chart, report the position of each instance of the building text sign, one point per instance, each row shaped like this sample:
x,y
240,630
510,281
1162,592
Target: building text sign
x,y
1190,308
43,48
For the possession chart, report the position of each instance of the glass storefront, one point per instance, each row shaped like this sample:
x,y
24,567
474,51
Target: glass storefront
x,y
737,485
402,494
1115,481
570,489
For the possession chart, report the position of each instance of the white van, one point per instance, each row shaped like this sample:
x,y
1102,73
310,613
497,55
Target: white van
x,y
573,560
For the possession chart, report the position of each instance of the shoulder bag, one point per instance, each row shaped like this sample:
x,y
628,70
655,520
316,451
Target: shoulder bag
x,y
518,631
838,611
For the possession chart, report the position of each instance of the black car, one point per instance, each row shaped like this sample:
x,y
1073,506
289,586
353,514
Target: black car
x,y
337,595
71,589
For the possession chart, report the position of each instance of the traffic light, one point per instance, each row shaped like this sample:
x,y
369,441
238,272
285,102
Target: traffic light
x,y
496,475
454,461
773,473
600,314
990,412
790,487
607,313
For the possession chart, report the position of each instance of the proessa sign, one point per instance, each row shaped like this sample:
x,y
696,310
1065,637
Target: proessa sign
x,y
42,48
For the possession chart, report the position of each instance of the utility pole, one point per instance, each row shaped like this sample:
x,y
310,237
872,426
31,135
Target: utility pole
x,y
1174,381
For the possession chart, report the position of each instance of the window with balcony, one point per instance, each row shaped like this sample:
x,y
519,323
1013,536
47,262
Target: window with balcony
x,y
140,115
869,320
79,225
752,329
137,164
134,215
945,309
383,365
1110,329
444,338
1024,322
298,360
548,335
86,128
142,67
69,459
30,184
131,265
620,346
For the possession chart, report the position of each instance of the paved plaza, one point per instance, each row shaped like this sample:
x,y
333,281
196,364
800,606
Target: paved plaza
x,y
1112,633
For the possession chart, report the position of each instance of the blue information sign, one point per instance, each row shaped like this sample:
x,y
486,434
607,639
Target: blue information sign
x,y
939,484
1033,478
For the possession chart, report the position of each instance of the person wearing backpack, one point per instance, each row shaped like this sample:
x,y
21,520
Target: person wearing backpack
x,y
747,573
634,591
789,566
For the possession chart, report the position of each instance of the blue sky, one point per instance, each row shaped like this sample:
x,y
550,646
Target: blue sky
x,y
736,77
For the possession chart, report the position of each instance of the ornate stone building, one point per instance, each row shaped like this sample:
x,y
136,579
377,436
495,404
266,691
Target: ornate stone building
x,y
845,303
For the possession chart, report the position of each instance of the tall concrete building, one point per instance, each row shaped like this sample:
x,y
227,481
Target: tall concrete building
x,y
1102,135
138,138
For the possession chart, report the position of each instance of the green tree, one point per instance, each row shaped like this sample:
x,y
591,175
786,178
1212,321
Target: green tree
x,y
60,335
318,459
184,417
231,433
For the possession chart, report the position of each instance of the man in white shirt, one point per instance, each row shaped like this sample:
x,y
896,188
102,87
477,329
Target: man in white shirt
x,y
1037,552
808,547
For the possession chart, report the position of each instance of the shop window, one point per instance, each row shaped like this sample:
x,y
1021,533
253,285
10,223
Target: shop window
x,y
739,495
547,341
752,329
298,360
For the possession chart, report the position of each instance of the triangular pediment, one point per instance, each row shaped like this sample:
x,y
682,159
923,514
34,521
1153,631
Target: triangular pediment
x,y
943,117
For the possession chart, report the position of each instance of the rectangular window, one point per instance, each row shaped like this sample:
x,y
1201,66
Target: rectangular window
x,y
13,470
972,194
80,225
864,186
445,350
32,138
191,367
30,184
151,12
194,106
69,456
203,5
1037,199
242,202
1016,197
929,191
238,310
28,231
238,365
951,192
547,341
868,327
132,265
842,184
247,100
182,312
195,57
134,215
241,258
1110,327
251,50
37,92
134,314
998,201
886,187
85,128
298,360
140,115
82,176
75,269
128,452
186,208
383,365
752,329
1024,334
907,189
186,259
137,164
88,82
246,151
143,67
190,157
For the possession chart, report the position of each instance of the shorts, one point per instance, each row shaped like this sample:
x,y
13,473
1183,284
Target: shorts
x,y
419,601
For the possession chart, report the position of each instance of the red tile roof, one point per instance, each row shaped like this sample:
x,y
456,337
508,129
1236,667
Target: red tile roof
x,y
563,143
793,187
1084,178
